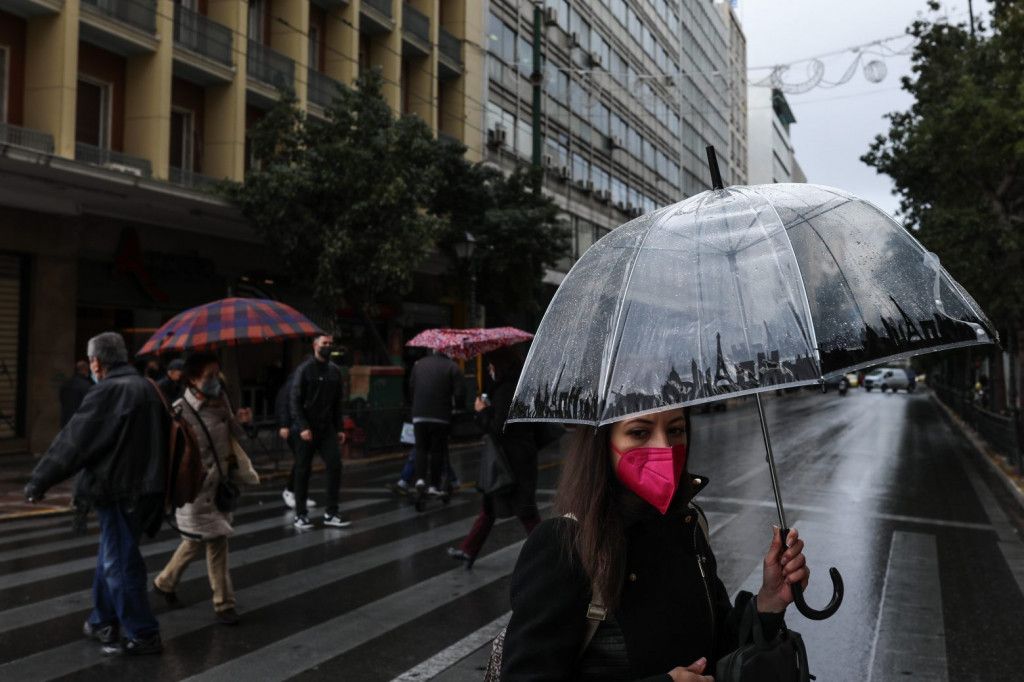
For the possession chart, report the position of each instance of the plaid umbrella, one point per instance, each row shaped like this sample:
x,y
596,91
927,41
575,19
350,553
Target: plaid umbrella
x,y
462,344
230,322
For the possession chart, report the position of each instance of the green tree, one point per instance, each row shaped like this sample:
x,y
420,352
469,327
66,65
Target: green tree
x,y
518,234
341,200
957,155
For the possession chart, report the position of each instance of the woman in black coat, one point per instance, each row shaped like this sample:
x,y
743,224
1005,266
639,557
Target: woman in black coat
x,y
629,546
518,443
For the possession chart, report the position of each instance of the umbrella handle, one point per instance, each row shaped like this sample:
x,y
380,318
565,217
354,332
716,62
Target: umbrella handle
x,y
833,605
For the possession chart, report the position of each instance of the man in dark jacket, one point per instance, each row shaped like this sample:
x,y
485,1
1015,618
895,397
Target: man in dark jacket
x,y
170,384
283,415
315,405
72,393
118,440
436,385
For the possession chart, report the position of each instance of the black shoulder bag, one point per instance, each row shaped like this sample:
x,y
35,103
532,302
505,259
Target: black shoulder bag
x,y
228,492
781,659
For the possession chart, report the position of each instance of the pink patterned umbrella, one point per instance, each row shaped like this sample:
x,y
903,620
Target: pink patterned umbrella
x,y
463,344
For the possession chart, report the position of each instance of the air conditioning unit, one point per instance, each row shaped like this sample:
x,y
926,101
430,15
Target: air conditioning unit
x,y
550,16
620,205
613,142
496,136
595,59
589,186
574,39
563,173
123,168
604,196
670,82
549,161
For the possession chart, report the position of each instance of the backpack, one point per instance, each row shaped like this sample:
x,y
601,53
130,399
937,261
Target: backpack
x,y
597,612
185,471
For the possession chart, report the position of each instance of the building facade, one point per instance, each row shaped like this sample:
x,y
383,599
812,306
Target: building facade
x,y
771,155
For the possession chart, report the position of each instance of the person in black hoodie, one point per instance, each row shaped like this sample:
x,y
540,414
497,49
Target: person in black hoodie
x,y
118,440
519,445
628,551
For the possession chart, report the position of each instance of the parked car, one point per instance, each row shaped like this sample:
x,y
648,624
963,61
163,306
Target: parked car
x,y
840,383
888,378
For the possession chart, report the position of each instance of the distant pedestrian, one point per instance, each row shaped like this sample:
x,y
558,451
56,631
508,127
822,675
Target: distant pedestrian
x,y
518,443
437,385
315,404
205,408
118,440
73,391
283,416
170,384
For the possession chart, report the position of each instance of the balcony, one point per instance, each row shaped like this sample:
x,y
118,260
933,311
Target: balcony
x,y
416,30
190,179
449,51
269,67
376,17
97,156
125,27
26,138
321,89
28,9
203,36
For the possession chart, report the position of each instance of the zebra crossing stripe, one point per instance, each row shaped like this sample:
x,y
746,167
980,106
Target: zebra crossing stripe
x,y
286,657
445,659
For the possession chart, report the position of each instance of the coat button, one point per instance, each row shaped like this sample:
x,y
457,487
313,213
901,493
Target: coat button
x,y
696,481
632,577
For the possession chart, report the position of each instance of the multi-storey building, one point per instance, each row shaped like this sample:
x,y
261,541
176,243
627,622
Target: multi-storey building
x,y
633,92
736,90
771,155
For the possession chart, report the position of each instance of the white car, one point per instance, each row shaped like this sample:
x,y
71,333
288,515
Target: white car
x,y
891,378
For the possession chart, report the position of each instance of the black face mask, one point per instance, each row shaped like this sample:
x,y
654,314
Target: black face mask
x,y
324,352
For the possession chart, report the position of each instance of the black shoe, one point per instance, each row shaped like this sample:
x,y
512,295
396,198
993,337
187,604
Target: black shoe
x,y
135,647
458,554
170,597
104,634
228,617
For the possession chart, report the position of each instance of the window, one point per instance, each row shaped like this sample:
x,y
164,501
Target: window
x,y
92,113
619,10
257,8
524,56
4,61
579,26
501,40
600,118
580,168
182,139
562,7
313,59
600,48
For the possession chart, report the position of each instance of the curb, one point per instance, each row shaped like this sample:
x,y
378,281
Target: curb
x,y
982,451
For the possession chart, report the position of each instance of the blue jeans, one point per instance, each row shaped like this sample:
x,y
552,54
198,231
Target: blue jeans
x,y
409,470
119,589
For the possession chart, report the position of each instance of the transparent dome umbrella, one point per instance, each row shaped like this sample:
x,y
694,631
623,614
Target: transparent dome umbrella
x,y
736,291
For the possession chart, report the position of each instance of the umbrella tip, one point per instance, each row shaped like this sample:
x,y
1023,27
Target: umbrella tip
x,y
716,174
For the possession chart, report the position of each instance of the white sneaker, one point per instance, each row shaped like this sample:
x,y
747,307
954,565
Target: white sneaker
x,y
402,484
303,523
434,492
336,521
310,503
289,498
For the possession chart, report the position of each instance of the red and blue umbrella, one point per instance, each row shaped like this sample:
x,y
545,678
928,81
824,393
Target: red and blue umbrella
x,y
230,322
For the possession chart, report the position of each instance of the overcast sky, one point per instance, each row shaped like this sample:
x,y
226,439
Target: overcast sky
x,y
834,126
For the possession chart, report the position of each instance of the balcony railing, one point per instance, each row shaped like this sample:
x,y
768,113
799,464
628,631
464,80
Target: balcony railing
x,y
415,23
195,32
382,6
450,46
139,13
270,67
191,179
98,156
321,89
26,138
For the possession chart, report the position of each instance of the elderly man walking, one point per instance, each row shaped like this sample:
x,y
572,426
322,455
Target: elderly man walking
x,y
118,440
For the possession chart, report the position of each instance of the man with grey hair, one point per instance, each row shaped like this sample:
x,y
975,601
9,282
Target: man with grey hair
x,y
118,440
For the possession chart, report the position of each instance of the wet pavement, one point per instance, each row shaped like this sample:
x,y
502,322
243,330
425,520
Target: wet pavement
x,y
880,486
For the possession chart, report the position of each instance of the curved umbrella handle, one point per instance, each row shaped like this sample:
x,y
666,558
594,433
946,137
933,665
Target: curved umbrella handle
x,y
834,603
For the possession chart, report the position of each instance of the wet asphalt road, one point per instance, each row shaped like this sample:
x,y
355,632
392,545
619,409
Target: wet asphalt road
x,y
880,486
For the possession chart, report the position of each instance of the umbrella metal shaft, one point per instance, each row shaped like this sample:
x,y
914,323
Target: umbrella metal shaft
x,y
771,463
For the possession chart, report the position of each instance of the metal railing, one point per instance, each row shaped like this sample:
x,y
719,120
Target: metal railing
x,y
998,430
203,36
382,6
26,137
125,163
190,179
270,67
449,46
416,23
139,13
321,88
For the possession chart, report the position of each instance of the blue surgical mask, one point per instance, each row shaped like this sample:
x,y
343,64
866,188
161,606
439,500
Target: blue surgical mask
x,y
210,388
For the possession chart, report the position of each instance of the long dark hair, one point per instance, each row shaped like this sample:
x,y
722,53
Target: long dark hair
x,y
589,490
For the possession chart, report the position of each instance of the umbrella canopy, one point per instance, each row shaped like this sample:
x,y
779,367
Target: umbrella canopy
x,y
736,291
463,344
230,322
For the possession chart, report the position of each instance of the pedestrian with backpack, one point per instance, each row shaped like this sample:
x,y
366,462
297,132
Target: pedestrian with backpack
x,y
623,584
206,523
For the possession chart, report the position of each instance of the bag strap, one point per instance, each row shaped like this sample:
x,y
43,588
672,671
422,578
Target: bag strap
x,y
209,438
597,612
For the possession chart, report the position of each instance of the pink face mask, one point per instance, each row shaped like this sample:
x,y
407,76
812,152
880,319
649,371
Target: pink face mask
x,y
652,473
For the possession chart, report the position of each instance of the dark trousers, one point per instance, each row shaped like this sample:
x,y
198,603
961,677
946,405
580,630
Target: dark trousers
x,y
431,450
325,441
409,470
483,524
119,590
290,441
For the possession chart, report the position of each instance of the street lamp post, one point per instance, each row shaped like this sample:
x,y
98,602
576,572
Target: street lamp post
x,y
464,252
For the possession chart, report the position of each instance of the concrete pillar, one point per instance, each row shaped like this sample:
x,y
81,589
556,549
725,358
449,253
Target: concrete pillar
x,y
465,96
224,115
51,76
289,26
422,75
341,43
147,101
